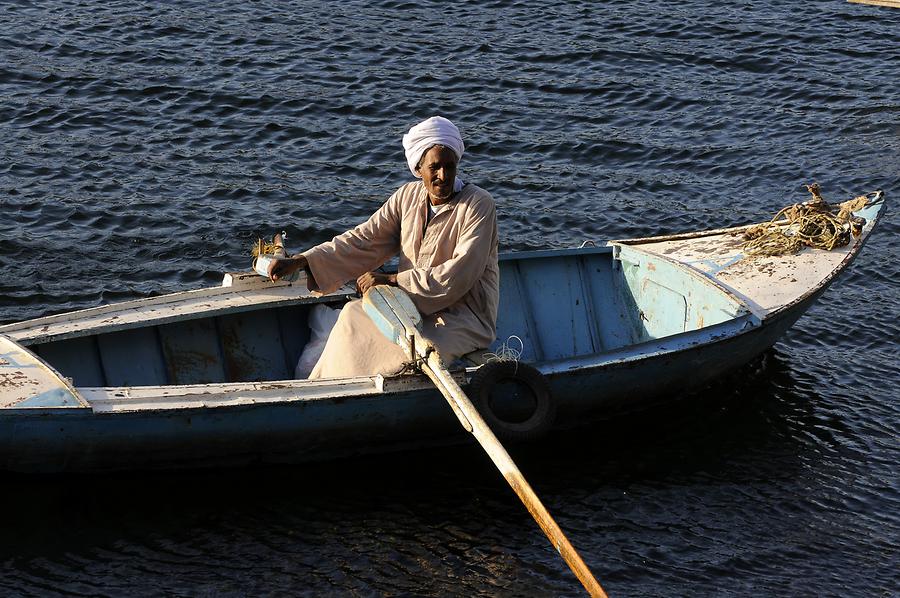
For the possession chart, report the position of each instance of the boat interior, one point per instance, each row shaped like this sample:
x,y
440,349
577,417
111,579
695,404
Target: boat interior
x,y
559,304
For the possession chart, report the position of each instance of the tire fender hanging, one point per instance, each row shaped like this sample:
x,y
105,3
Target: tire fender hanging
x,y
484,388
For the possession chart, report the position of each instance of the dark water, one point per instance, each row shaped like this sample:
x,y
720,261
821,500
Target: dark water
x,y
144,146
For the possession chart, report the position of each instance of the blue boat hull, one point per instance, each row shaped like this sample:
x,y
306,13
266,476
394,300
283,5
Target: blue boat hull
x,y
612,330
81,441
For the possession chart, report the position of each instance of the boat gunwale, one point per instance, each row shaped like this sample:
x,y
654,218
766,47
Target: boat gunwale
x,y
29,332
680,342
878,199
199,396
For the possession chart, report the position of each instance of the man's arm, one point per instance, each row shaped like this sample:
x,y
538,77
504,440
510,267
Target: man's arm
x,y
356,251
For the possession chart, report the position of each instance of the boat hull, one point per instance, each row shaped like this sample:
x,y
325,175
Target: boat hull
x,y
612,330
80,440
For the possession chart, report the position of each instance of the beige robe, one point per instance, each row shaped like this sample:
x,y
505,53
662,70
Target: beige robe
x,y
448,268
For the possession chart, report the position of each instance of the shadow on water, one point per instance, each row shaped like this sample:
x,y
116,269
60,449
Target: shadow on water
x,y
757,408
721,432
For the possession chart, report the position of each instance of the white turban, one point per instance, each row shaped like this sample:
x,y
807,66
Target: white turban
x,y
436,130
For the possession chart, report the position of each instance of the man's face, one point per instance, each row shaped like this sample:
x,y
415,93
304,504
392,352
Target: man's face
x,y
438,170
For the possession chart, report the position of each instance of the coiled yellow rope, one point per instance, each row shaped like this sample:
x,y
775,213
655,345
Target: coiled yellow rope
x,y
812,224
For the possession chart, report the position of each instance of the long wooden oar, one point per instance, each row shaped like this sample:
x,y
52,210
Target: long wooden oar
x,y
397,318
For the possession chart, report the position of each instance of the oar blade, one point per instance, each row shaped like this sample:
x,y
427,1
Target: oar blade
x,y
379,309
402,305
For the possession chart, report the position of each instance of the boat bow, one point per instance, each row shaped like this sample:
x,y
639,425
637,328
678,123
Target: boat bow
x,y
767,285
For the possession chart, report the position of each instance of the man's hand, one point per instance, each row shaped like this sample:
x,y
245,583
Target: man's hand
x,y
370,279
285,267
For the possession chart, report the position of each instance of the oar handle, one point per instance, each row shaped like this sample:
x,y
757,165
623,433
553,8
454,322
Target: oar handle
x,y
468,414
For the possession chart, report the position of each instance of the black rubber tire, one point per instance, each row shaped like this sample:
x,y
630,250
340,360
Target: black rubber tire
x,y
485,380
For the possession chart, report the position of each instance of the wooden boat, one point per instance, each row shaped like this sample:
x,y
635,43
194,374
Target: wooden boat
x,y
203,378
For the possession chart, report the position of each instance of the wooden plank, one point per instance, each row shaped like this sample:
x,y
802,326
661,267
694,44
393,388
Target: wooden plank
x,y
888,3
151,398
584,331
609,313
77,359
252,347
192,352
592,323
514,315
554,293
132,357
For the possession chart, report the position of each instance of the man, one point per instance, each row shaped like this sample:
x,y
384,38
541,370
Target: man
x,y
446,234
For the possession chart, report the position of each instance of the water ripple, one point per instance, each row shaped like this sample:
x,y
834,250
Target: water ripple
x,y
145,147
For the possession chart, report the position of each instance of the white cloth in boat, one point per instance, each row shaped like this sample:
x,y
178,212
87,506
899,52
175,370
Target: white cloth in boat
x,y
447,265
